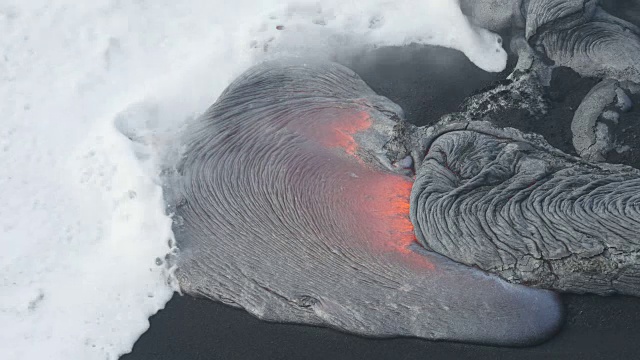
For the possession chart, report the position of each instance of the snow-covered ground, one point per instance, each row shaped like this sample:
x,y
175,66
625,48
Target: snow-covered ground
x,y
92,95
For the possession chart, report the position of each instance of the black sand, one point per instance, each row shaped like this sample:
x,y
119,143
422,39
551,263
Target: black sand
x,y
427,82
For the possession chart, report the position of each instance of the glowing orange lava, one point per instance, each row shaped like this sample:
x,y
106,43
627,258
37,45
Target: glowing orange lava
x,y
340,131
388,201
380,200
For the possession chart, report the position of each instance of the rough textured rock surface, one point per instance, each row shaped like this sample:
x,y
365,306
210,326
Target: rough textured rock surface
x,y
579,34
555,221
287,208
509,204
605,47
585,119
555,15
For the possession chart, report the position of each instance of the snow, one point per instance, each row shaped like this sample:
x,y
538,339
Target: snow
x,y
91,97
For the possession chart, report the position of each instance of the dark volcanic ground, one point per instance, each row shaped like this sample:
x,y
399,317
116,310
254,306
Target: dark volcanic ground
x,y
427,82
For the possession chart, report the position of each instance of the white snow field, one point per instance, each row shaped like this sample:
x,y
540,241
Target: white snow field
x,y
92,95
